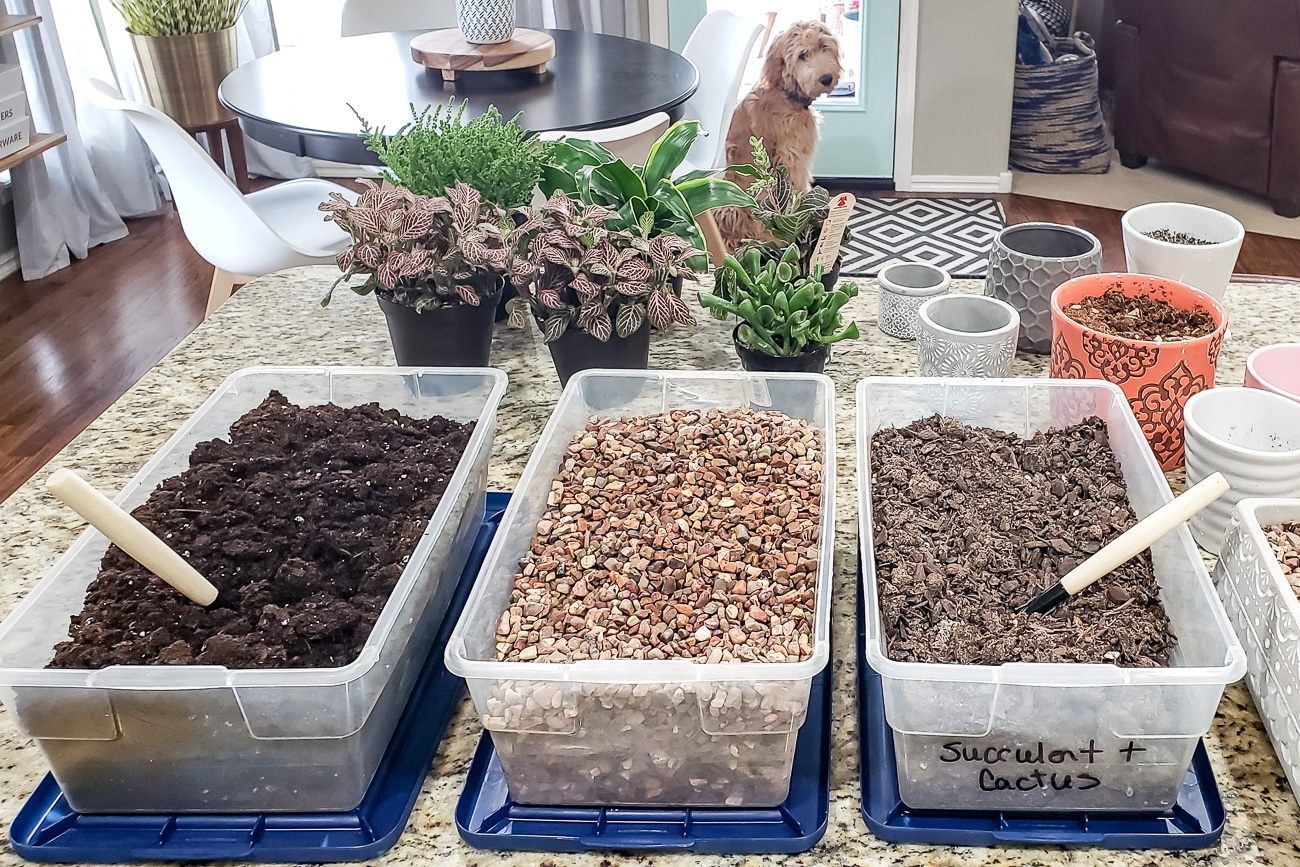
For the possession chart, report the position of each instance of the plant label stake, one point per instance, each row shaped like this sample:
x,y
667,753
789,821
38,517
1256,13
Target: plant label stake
x,y
1131,542
130,535
832,236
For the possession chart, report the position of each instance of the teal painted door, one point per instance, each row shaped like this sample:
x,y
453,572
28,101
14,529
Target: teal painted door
x,y
857,134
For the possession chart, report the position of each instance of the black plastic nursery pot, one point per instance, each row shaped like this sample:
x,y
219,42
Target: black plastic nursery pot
x,y
457,335
576,350
812,361
831,278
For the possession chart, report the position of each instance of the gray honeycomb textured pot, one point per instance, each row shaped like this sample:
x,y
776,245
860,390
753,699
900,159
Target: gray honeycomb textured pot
x,y
1028,262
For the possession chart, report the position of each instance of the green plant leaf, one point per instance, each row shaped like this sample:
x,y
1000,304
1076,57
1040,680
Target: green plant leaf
x,y
668,152
616,182
704,194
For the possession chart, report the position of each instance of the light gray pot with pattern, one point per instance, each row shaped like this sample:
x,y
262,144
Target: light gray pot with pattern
x,y
486,22
966,335
904,287
1028,262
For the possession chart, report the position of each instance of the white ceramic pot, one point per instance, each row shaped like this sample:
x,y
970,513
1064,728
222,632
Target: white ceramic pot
x,y
1253,438
966,335
486,22
904,287
1207,267
1275,368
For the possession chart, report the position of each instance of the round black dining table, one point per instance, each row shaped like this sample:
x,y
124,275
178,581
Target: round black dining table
x,y
306,99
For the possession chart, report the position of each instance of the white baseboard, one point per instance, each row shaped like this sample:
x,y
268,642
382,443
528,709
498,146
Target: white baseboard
x,y
1000,183
9,263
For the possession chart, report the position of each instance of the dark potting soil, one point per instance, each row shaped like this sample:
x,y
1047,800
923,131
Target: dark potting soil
x,y
970,524
1169,236
304,522
1140,318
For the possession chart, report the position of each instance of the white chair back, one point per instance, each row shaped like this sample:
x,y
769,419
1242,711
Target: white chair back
x,y
719,47
222,227
380,16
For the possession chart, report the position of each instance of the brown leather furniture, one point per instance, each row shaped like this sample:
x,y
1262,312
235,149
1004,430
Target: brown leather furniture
x,y
1213,87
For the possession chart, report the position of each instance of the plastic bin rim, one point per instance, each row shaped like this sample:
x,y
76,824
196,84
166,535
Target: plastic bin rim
x,y
652,671
155,678
1032,673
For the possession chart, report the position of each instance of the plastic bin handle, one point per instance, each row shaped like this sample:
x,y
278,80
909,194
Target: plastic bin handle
x,y
618,838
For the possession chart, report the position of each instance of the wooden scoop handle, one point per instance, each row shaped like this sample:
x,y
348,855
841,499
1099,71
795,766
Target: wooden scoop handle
x,y
130,535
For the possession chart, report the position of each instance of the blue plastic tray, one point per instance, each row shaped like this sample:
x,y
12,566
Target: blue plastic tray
x,y
1195,822
487,818
47,829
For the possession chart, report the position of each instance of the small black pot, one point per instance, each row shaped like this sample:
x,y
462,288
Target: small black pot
x,y
831,278
457,335
508,292
576,350
812,361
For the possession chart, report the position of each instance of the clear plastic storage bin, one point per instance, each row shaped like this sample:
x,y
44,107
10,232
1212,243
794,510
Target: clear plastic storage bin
x,y
643,732
1266,614
212,739
1043,736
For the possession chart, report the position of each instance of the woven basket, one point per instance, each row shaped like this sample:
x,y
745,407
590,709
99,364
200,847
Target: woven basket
x,y
1056,122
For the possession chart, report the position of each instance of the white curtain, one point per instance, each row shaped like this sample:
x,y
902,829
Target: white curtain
x,y
60,206
629,18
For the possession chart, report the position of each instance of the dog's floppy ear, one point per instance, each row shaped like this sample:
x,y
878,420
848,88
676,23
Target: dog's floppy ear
x,y
774,65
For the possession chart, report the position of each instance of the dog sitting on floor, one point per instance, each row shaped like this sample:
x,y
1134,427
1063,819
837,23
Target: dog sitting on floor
x,y
802,64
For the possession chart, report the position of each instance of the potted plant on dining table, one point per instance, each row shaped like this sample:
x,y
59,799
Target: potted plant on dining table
x,y
436,264
595,290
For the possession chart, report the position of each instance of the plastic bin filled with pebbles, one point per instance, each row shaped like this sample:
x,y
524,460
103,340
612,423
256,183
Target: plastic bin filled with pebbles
x,y
976,495
656,604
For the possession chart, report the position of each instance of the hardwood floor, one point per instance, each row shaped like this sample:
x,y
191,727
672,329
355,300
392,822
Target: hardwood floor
x,y
72,343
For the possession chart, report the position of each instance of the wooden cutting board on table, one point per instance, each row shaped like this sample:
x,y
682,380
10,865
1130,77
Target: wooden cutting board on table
x,y
447,50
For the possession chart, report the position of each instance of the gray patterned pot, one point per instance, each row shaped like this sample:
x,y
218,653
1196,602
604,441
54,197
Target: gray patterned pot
x,y
904,287
966,335
486,22
1028,262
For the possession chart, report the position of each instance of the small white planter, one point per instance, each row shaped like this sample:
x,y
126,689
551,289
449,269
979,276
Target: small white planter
x,y
486,22
966,335
1207,267
1253,438
904,287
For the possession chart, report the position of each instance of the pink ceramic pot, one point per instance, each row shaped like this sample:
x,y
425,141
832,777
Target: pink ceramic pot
x,y
1275,368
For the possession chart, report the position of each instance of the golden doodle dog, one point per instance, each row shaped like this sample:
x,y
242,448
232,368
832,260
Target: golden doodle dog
x,y
802,64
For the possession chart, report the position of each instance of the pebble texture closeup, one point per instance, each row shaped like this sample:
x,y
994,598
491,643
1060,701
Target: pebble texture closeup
x,y
1284,539
276,320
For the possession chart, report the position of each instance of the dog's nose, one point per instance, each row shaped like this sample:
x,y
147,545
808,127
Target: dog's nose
x,y
826,80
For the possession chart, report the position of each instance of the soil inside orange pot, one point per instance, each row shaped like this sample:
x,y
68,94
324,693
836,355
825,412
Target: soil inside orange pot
x,y
1140,317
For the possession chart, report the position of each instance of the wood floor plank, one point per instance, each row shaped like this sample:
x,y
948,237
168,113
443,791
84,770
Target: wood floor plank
x,y
74,342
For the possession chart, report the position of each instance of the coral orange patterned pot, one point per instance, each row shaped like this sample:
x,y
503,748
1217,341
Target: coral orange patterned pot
x,y
1156,377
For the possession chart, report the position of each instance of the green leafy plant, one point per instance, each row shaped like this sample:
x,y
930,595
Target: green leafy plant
x,y
647,199
439,148
421,251
176,17
782,313
575,268
790,217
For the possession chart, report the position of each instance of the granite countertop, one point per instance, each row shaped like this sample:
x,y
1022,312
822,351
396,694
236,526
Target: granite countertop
x,y
277,320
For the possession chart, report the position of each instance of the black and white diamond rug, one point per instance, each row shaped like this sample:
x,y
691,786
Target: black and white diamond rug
x,y
954,234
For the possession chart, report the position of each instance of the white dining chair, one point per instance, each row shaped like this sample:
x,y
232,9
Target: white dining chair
x,y
241,236
379,16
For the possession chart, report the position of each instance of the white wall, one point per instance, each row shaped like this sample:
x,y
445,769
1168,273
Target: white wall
x,y
961,117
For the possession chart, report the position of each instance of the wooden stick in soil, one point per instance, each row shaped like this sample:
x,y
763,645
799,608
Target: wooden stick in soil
x,y
130,535
1131,542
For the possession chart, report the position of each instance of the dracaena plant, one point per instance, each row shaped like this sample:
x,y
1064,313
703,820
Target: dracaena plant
x,y
648,199
781,312
790,217
421,251
575,268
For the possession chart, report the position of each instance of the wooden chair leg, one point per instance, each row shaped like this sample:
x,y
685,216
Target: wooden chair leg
x,y
238,157
713,239
223,285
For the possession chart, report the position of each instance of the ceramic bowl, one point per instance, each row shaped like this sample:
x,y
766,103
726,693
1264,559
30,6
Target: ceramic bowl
x,y
904,287
966,335
1275,368
1157,377
1207,267
1253,438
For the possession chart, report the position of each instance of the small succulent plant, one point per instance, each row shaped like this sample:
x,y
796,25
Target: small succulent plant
x,y
421,251
573,270
790,217
781,312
